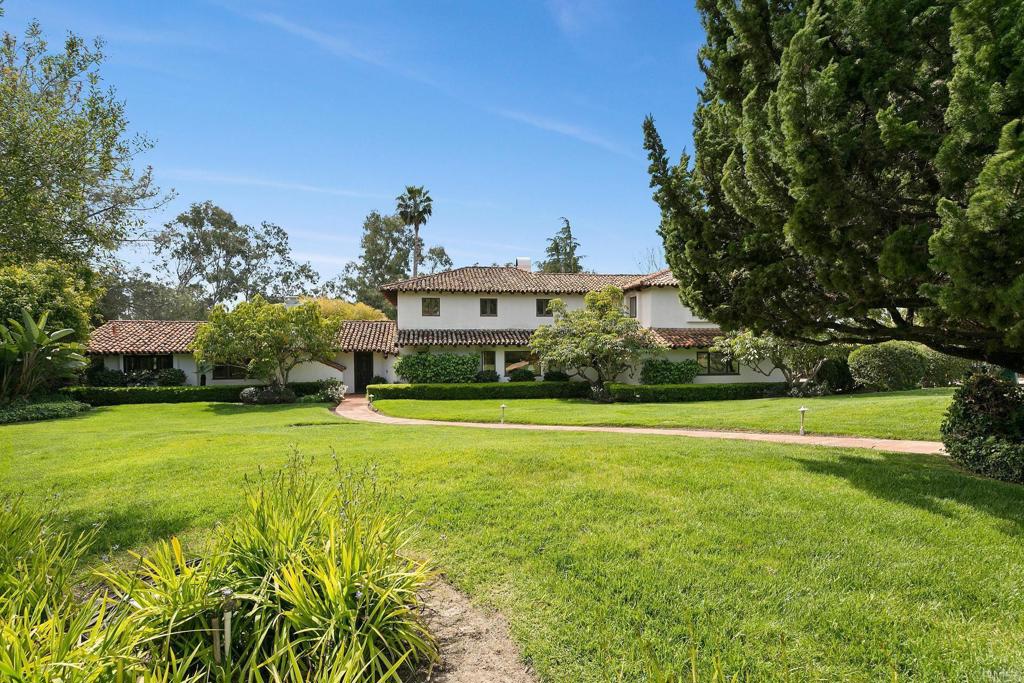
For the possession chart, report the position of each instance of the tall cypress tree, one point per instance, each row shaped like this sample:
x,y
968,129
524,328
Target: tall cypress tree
x,y
857,174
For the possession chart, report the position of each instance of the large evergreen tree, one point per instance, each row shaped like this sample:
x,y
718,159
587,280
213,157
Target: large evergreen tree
x,y
562,256
858,174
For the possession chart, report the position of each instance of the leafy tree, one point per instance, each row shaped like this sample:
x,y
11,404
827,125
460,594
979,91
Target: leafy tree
x,y
345,310
266,338
857,174
136,295
598,342
437,259
766,353
69,294
414,207
31,357
207,251
561,252
387,245
68,190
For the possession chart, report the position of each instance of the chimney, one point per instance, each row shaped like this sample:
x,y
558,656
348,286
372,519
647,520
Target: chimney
x,y
523,263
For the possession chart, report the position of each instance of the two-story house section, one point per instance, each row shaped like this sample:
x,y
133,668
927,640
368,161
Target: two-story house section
x,y
492,311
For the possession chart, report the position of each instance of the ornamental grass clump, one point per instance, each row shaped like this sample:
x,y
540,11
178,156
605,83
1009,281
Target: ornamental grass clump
x,y
309,584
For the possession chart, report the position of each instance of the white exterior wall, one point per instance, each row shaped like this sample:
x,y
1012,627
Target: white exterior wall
x,y
462,311
746,374
660,307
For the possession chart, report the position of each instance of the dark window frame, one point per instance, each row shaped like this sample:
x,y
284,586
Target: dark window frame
x,y
494,359
484,314
543,310
223,371
534,360
423,306
146,362
633,306
704,360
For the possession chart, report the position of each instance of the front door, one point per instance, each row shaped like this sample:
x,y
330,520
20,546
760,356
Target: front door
x,y
363,371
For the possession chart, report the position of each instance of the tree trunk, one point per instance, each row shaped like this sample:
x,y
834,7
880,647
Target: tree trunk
x,y
415,249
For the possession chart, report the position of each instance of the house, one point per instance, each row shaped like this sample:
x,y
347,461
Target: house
x,y
486,311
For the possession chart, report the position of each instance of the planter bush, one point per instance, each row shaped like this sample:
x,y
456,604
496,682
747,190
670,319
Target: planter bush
x,y
685,393
437,368
44,409
834,377
660,371
522,375
889,366
170,377
984,428
555,376
483,376
442,392
99,376
377,379
943,370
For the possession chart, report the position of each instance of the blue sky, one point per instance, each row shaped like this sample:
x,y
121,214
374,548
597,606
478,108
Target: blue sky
x,y
310,115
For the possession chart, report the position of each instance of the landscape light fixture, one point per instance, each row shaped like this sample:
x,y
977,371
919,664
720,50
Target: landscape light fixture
x,y
802,411
503,406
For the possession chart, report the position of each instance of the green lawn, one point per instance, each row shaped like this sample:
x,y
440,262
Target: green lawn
x,y
823,564
897,415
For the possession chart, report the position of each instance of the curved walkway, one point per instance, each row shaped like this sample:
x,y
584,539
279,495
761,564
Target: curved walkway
x,y
356,408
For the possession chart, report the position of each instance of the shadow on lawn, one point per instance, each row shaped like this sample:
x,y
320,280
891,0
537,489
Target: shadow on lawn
x,y
127,527
926,482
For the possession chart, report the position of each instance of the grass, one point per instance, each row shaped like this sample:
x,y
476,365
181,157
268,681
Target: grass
x,y
897,415
812,563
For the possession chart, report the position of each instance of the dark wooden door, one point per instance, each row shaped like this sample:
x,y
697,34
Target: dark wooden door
x,y
363,371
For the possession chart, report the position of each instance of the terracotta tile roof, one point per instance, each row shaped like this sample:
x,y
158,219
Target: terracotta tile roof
x,y
507,280
662,278
143,336
368,335
687,337
464,337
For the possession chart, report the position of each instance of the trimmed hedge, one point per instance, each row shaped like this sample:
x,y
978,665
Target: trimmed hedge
x,y
51,409
660,371
223,393
889,366
432,368
442,392
685,393
984,428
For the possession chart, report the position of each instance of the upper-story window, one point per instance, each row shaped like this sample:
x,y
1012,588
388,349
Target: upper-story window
x,y
632,306
488,308
430,306
713,363
543,308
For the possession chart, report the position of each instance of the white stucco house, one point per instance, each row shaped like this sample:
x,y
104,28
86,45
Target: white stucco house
x,y
486,311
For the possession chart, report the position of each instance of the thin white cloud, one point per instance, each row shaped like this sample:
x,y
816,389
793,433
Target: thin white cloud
x,y
563,128
202,176
345,49
575,16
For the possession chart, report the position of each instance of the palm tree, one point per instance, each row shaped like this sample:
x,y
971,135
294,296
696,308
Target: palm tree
x,y
414,208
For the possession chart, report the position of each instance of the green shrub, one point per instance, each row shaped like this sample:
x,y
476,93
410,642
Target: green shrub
x,y
555,376
484,376
684,393
943,370
660,371
889,366
170,377
44,409
984,427
377,379
100,376
522,375
112,396
437,368
834,377
442,392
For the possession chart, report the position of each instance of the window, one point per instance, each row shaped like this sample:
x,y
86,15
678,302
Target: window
x,y
143,363
229,372
520,359
712,363
431,306
488,308
487,361
632,306
542,308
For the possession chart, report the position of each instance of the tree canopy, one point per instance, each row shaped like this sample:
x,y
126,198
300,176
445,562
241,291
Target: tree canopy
x,y
268,339
68,295
133,294
347,310
206,251
857,174
69,191
598,342
561,252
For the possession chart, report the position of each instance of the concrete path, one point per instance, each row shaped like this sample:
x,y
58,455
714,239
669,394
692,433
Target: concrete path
x,y
356,408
